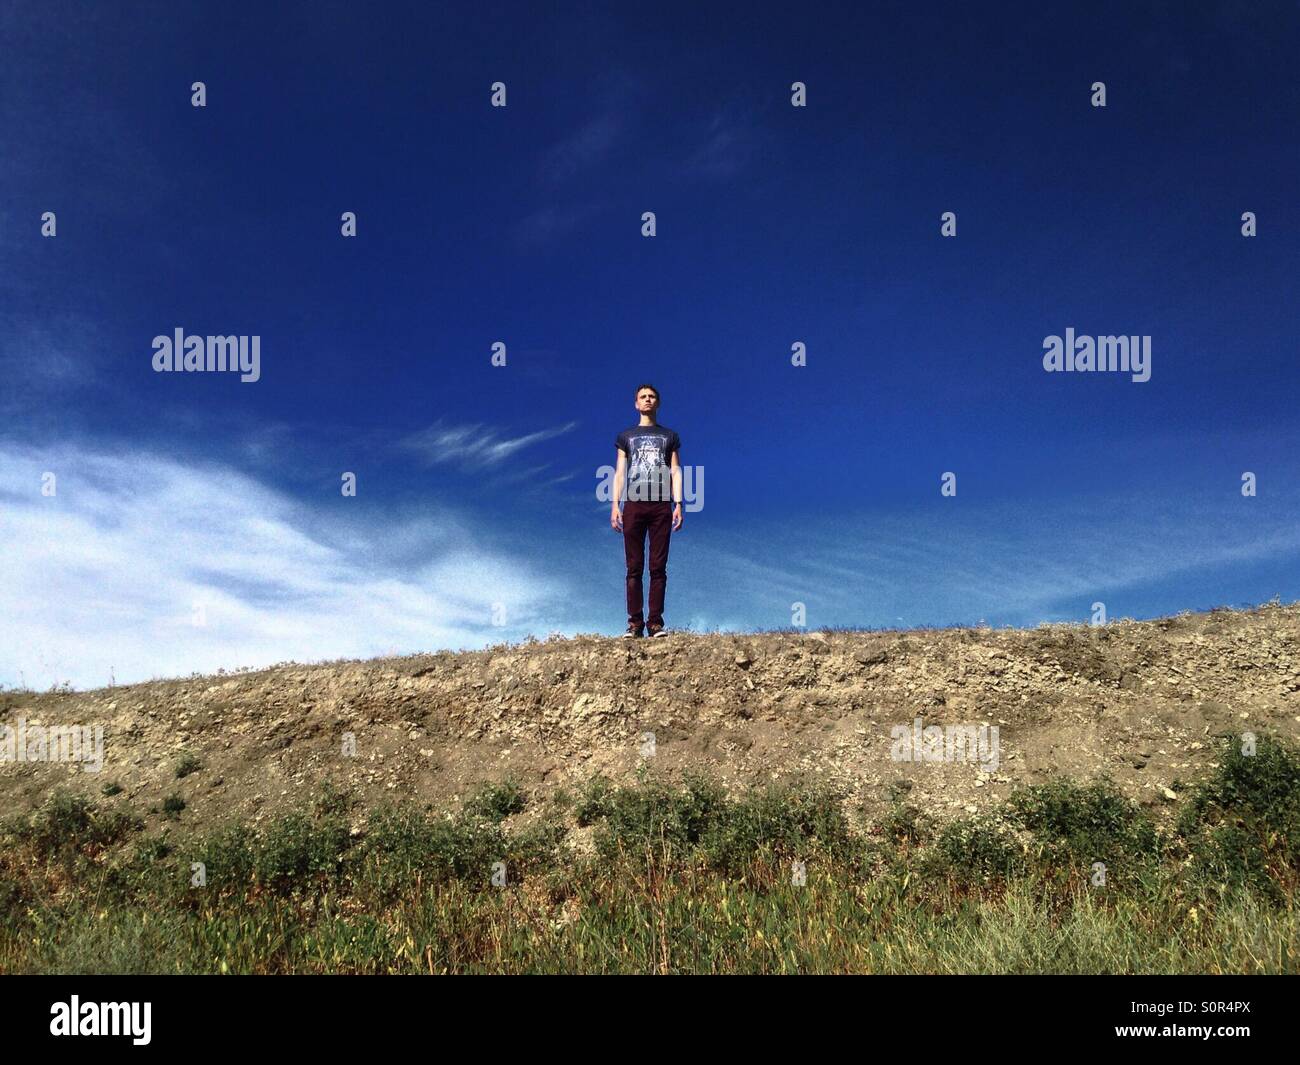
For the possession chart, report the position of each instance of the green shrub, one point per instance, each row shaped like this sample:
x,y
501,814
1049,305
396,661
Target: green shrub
x,y
781,822
188,764
1264,786
230,857
142,872
401,844
69,823
333,801
1077,825
656,820
496,802
15,896
1242,826
297,852
537,847
979,850
592,801
904,823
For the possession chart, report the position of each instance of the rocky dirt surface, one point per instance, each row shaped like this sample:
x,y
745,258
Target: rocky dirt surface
x,y
1140,701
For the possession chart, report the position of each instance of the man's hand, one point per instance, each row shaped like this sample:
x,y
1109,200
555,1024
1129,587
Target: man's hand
x,y
677,516
615,519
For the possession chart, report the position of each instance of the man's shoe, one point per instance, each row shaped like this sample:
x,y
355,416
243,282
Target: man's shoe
x,y
633,632
657,630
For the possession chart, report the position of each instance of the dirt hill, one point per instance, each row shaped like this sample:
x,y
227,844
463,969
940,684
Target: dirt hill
x,y
1140,701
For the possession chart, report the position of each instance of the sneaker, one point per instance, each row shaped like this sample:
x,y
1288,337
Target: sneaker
x,y
633,632
657,630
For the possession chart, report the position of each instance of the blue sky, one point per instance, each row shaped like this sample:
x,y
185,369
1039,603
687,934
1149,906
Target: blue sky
x,y
476,518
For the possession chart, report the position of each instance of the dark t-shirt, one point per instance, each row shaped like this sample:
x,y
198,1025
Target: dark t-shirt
x,y
649,450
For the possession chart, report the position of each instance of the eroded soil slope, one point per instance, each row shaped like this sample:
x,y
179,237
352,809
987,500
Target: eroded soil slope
x,y
1140,701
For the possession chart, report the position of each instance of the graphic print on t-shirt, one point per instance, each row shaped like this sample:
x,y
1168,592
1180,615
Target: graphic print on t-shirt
x,y
649,450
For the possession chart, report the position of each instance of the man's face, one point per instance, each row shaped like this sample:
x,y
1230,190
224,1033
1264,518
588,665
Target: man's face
x,y
646,401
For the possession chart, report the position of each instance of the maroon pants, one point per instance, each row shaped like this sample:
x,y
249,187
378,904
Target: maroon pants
x,y
638,520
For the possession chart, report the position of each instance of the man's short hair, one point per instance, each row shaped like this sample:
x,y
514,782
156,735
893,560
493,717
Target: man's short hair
x,y
652,389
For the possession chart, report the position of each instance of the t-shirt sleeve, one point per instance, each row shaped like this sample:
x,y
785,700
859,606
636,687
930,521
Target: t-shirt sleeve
x,y
677,443
620,443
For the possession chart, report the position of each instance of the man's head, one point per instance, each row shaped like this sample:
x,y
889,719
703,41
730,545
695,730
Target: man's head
x,y
647,399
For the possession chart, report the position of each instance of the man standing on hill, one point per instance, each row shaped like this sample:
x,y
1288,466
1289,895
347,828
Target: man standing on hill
x,y
650,466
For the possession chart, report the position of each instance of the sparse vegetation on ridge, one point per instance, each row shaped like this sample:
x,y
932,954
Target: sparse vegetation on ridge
x,y
674,876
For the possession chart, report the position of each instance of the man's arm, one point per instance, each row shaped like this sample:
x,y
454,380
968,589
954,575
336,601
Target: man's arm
x,y
677,491
620,474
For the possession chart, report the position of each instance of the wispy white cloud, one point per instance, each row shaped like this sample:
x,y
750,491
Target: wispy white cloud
x,y
553,221
44,362
585,147
567,166
474,447
726,144
113,571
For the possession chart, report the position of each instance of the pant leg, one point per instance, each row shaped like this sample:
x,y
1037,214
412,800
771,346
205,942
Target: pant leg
x,y
661,530
634,529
